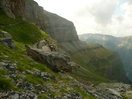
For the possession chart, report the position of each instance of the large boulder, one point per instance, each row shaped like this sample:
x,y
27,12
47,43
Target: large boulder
x,y
56,61
6,39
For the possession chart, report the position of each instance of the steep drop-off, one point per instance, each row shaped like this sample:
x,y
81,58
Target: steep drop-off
x,y
95,65
123,45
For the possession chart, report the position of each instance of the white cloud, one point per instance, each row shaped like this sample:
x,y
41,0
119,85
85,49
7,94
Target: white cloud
x,y
94,16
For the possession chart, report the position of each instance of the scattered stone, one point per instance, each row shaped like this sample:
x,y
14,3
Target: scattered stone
x,y
43,75
18,95
72,95
25,85
119,87
41,88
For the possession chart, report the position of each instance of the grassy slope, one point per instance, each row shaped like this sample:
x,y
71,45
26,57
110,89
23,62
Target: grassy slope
x,y
26,63
20,30
89,70
97,63
26,33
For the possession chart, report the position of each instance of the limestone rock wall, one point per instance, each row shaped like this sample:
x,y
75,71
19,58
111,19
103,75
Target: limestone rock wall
x,y
59,28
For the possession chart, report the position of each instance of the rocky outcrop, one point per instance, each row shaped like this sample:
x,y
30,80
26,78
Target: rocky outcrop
x,y
6,39
56,61
58,27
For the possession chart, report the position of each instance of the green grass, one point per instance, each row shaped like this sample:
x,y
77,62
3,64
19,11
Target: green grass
x,y
20,30
89,72
3,72
20,56
6,84
6,20
1,35
124,96
87,76
34,79
84,94
98,65
43,96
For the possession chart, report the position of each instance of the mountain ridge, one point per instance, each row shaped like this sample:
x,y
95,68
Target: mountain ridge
x,y
122,45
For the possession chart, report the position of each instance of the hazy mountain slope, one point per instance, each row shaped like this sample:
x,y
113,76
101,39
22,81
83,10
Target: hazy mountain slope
x,y
123,45
95,60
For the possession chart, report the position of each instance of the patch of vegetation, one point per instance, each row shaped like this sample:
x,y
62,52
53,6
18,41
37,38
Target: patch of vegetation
x,y
6,84
84,94
3,72
124,96
20,56
4,20
34,79
43,96
1,35
20,30
96,66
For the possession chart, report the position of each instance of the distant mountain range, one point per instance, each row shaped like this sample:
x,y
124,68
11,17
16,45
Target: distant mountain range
x,y
122,45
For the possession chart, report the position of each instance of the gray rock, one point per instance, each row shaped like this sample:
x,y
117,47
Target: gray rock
x,y
72,95
18,95
56,61
43,75
7,39
6,6
119,87
42,45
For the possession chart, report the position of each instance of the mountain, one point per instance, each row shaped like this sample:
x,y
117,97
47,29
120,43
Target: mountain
x,y
122,45
65,33
41,57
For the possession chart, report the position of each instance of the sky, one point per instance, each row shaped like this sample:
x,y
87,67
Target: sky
x,y
111,17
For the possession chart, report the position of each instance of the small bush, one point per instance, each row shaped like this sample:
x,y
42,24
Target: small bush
x,y
34,79
42,96
3,72
5,84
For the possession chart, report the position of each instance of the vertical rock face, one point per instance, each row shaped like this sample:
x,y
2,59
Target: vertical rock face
x,y
59,28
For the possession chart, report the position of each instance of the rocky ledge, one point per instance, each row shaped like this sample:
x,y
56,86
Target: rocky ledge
x,y
56,61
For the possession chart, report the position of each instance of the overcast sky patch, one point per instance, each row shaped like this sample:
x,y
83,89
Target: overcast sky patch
x,y
113,17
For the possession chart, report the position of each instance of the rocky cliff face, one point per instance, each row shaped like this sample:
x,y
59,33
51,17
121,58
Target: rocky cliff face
x,y
58,27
